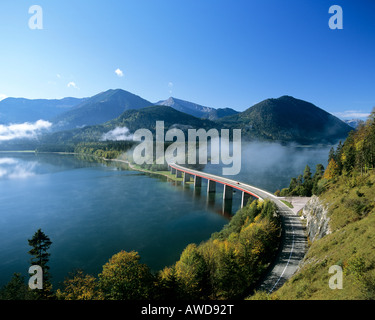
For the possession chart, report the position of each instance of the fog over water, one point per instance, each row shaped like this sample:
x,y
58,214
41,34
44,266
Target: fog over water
x,y
270,166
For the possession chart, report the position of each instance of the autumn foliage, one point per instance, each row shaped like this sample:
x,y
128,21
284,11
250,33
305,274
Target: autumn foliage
x,y
224,267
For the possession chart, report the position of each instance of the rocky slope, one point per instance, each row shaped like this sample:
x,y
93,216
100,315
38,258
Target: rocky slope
x,y
317,221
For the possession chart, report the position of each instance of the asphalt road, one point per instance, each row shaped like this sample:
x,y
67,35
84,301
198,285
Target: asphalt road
x,y
293,243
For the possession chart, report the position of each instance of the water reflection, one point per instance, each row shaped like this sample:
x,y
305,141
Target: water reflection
x,y
11,168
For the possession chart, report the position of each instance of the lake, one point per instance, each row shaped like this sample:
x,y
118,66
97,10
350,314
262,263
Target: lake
x,y
92,210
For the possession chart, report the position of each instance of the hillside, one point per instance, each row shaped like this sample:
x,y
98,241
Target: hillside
x,y
288,119
340,223
219,113
98,109
19,110
132,120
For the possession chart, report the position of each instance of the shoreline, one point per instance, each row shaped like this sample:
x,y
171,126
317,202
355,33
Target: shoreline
x,y
131,166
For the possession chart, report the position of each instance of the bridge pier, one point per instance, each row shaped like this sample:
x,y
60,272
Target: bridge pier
x,y
245,198
211,186
197,182
228,193
173,170
186,177
227,207
178,174
227,199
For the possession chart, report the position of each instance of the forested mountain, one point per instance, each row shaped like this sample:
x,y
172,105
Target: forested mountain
x,y
144,118
219,113
100,108
285,119
19,110
288,119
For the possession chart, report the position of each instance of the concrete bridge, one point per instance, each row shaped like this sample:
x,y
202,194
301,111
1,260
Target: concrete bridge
x,y
294,241
212,180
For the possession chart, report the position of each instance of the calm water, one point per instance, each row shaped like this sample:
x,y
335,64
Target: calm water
x,y
91,211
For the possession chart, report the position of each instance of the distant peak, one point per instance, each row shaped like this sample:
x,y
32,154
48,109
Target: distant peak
x,y
286,97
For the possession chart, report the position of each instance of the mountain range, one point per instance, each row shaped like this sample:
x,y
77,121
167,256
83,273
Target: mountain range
x,y
19,110
285,119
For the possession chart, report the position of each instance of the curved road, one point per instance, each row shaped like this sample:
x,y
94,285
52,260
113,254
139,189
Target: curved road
x,y
293,243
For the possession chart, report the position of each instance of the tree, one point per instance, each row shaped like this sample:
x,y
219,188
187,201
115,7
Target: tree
x,y
16,289
299,180
331,154
168,286
338,156
79,287
293,184
332,170
192,273
349,159
307,173
319,172
40,244
230,276
124,278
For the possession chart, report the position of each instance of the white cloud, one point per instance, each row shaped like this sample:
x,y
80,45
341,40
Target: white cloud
x,y
117,134
23,130
2,96
352,114
72,84
7,161
58,76
119,72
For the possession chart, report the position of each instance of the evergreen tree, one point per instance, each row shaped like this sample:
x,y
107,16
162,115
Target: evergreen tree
x,y
40,244
168,285
319,172
332,154
16,289
349,163
307,173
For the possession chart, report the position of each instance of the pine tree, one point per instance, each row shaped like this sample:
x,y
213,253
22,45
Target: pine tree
x,y
40,244
319,172
331,155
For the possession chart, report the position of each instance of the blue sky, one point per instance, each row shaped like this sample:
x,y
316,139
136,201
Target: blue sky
x,y
213,52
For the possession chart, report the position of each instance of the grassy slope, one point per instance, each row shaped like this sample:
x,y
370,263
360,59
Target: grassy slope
x,y
350,245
